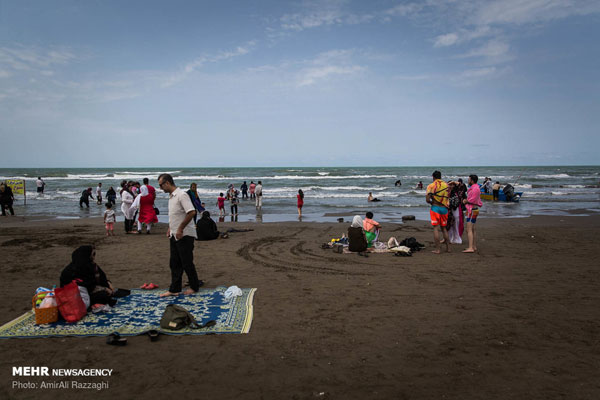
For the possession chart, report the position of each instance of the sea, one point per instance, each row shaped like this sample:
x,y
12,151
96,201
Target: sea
x,y
330,193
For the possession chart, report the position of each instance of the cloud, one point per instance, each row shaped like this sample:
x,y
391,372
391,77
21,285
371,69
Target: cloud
x,y
196,64
310,76
4,73
446,40
528,11
30,58
493,52
463,35
328,64
402,10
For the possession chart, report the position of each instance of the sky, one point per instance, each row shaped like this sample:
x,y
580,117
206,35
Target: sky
x,y
299,83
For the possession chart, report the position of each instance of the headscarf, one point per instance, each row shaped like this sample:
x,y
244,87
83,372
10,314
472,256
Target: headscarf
x,y
144,191
81,267
357,222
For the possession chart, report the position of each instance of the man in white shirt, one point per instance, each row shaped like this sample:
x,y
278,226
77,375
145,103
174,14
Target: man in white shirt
x,y
40,184
258,193
99,193
181,234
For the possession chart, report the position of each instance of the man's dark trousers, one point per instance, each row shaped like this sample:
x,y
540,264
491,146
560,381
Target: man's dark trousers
x,y
182,260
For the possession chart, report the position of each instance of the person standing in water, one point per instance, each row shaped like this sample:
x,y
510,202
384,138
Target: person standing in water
x,y
300,198
40,184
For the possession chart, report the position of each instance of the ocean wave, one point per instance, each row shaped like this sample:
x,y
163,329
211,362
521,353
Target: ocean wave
x,y
151,173
573,186
86,176
553,176
276,177
323,173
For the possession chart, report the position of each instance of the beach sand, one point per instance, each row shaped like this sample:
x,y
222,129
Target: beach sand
x,y
519,320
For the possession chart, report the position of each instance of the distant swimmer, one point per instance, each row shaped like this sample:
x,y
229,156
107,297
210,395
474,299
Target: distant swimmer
x,y
398,183
371,198
419,185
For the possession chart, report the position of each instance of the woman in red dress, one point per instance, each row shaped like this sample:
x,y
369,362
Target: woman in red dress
x,y
147,214
300,197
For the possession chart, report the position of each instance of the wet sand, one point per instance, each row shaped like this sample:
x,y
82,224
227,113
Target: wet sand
x,y
518,320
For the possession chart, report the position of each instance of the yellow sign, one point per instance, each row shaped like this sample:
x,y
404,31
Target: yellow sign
x,y
17,185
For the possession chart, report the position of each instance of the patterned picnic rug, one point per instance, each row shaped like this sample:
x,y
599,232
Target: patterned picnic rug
x,y
141,311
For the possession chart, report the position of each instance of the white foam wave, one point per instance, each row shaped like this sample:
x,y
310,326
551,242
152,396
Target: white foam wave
x,y
86,176
542,176
323,173
151,173
276,177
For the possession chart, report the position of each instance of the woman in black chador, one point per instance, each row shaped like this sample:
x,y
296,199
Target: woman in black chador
x,y
84,270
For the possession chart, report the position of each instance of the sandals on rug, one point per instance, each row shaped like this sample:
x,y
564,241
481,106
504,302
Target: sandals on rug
x,y
116,340
149,286
153,335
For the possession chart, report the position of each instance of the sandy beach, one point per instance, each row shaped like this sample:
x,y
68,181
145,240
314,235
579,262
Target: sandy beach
x,y
518,320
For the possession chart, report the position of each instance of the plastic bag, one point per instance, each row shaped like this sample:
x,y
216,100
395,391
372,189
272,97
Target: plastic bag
x,y
232,291
85,296
70,305
49,301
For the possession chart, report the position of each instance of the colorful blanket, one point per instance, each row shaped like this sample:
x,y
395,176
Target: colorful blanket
x,y
141,311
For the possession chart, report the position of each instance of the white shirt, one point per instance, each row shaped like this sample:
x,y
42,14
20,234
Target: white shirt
x,y
110,216
179,205
99,191
39,183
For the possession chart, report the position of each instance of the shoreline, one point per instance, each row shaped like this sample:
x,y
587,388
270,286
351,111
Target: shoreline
x,y
330,217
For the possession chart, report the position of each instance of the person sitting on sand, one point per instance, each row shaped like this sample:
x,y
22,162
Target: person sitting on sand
x,y
84,270
206,228
357,240
371,228
371,198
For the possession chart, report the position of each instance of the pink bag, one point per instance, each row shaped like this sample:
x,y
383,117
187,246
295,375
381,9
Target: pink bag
x,y
70,305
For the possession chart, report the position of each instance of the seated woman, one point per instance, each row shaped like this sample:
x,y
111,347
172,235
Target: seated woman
x,y
371,198
88,274
356,236
206,228
371,228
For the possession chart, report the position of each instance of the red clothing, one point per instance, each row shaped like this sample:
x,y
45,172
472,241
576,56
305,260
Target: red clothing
x,y
300,201
147,214
151,191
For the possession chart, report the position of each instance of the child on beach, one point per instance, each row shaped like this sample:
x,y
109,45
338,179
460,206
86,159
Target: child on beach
x,y
109,219
371,228
221,204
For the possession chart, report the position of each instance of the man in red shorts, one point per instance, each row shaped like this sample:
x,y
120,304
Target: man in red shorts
x,y
437,197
